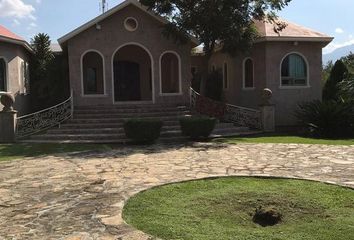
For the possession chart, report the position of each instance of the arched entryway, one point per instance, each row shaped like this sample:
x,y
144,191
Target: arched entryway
x,y
132,74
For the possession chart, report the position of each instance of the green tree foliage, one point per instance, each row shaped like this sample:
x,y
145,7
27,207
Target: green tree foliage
x,y
327,68
223,23
329,119
338,73
349,63
48,77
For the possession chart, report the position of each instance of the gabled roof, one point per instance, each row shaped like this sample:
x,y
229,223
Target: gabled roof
x,y
7,36
111,12
292,32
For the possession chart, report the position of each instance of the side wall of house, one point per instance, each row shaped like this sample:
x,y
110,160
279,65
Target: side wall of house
x,y
14,55
287,99
267,58
235,93
110,37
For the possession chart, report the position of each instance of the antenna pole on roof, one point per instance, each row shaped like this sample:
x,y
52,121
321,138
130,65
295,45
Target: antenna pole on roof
x,y
103,6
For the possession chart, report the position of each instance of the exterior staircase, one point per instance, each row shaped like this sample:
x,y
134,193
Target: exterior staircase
x,y
104,124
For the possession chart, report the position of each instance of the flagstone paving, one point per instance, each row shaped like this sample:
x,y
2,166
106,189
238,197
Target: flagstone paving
x,y
81,195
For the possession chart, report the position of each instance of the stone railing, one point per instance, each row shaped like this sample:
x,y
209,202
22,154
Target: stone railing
x,y
239,115
39,121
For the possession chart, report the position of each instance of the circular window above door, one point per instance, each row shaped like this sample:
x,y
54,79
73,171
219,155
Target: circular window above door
x,y
131,24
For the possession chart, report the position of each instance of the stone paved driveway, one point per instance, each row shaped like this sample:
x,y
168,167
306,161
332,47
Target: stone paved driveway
x,y
80,196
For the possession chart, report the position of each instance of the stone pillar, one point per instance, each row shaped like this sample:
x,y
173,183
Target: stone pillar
x,y
7,119
268,118
267,111
8,126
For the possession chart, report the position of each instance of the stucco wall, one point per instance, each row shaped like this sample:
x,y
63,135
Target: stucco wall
x,y
236,94
267,59
286,100
14,55
113,35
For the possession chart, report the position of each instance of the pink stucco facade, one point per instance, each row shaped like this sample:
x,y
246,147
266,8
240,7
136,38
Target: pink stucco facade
x,y
113,41
108,37
267,57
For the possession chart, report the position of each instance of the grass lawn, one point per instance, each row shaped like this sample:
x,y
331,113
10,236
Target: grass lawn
x,y
282,138
18,151
223,209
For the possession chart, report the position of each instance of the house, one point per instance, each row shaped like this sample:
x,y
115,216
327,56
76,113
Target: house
x,y
288,63
122,57
14,68
121,64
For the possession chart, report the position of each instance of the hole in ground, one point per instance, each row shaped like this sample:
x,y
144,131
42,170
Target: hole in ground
x,y
267,216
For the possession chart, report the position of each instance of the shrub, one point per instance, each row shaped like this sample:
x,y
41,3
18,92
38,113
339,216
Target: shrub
x,y
338,73
214,85
197,127
143,130
329,119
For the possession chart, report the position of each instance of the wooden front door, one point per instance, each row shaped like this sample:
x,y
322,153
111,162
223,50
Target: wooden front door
x,y
126,81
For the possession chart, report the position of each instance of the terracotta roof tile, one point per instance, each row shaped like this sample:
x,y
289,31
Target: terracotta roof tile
x,y
4,32
292,30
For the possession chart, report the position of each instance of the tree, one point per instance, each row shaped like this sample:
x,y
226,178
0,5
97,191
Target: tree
x,y
349,62
338,73
40,64
326,72
225,23
49,74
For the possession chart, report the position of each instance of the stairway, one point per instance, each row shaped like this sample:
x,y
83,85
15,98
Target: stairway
x,y
104,124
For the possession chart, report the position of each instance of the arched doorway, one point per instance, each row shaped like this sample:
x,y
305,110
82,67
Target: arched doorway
x,y
132,74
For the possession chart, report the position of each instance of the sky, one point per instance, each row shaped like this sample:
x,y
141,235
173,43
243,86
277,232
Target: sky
x,y
56,18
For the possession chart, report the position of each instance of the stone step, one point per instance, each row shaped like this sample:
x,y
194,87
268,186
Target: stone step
x,y
100,130
129,115
136,107
129,110
74,125
120,120
118,133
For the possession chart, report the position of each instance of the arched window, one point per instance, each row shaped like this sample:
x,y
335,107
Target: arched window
x,y
225,76
170,74
3,75
92,74
248,73
294,71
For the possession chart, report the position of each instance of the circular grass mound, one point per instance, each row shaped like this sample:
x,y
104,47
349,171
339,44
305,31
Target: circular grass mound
x,y
227,208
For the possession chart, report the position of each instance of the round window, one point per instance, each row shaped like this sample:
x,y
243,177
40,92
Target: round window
x,y
131,24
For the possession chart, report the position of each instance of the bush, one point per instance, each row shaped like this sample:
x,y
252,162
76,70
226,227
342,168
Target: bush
x,y
143,130
197,127
328,119
338,73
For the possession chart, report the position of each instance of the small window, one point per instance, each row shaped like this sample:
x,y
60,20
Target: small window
x,y
92,69
27,79
213,68
194,71
3,75
24,78
131,24
170,76
248,74
225,76
294,71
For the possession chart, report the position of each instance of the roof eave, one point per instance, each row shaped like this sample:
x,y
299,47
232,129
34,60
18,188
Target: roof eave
x,y
295,39
17,42
100,18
